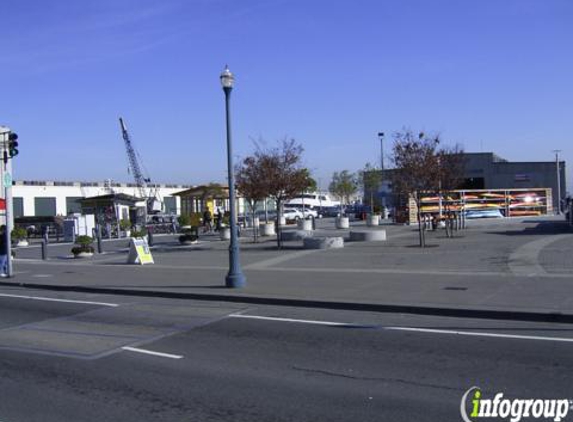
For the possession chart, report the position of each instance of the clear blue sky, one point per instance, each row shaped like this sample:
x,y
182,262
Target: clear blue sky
x,y
493,75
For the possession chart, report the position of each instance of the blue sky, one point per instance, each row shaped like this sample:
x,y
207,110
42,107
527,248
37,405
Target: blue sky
x,y
492,75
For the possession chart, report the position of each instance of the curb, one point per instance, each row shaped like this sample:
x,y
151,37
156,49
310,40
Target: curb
x,y
555,317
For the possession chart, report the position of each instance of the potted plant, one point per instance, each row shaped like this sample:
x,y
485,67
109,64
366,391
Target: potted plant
x,y
225,229
184,221
189,236
139,233
83,248
19,236
125,227
373,219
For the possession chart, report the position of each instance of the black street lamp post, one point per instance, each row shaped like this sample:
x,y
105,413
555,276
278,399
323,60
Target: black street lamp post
x,y
235,277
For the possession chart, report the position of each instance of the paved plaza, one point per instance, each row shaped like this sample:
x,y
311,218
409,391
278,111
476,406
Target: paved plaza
x,y
518,265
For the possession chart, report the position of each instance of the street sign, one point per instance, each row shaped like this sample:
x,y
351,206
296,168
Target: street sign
x,y
7,179
139,252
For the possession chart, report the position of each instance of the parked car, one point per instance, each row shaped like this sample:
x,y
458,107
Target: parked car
x,y
307,211
292,214
310,212
330,211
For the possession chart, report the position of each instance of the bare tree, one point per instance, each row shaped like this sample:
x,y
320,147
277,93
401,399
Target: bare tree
x,y
283,174
252,186
417,168
343,186
451,161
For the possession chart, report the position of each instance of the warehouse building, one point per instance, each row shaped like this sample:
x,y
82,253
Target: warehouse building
x,y
33,198
486,170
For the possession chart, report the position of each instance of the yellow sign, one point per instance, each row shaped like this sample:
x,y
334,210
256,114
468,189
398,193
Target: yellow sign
x,y
139,252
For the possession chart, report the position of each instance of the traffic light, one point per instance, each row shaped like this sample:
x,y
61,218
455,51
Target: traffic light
x,y
12,144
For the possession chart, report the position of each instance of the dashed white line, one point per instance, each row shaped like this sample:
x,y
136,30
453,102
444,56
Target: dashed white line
x,y
51,299
150,352
410,329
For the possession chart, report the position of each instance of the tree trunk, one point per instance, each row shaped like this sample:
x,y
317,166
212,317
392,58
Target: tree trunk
x,y
255,227
278,225
447,222
420,228
371,202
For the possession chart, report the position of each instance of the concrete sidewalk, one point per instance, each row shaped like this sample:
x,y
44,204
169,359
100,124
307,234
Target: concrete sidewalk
x,y
497,269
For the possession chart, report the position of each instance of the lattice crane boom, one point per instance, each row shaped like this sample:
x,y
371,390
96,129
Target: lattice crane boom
x,y
134,166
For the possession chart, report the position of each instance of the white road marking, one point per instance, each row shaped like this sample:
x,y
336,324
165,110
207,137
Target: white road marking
x,y
51,299
149,352
303,321
480,334
411,329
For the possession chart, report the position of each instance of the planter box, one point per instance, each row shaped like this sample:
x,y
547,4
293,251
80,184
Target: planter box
x,y
289,235
304,224
84,255
373,220
267,229
225,233
323,243
342,223
367,235
189,242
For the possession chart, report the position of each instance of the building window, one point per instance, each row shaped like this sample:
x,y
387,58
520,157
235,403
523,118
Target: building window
x,y
18,204
73,205
45,207
170,204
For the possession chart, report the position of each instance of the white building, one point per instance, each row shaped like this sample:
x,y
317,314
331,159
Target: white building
x,y
51,198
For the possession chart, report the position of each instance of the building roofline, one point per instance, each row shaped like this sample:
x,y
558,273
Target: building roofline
x,y
102,184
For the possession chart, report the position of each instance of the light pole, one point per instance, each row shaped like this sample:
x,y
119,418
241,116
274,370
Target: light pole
x,y
381,136
235,277
7,185
557,151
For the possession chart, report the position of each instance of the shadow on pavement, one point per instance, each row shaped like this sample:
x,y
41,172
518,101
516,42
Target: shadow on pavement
x,y
542,228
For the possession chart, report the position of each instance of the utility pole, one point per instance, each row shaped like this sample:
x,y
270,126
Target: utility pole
x,y
557,151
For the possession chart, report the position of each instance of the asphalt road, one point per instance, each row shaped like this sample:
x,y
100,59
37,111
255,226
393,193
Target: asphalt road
x,y
68,361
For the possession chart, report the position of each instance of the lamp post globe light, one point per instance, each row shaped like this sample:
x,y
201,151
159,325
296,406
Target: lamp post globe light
x,y
235,277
